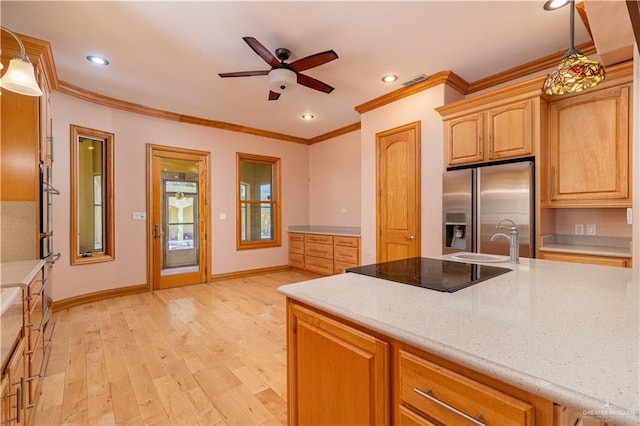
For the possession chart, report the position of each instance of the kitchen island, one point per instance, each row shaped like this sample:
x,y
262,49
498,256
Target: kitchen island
x,y
568,334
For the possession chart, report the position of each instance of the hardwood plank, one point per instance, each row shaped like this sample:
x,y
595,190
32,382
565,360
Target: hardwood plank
x,y
209,354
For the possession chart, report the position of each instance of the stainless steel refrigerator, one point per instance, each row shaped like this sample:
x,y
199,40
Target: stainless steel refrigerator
x,y
475,199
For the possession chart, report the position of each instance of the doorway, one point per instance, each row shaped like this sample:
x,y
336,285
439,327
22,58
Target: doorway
x,y
178,225
398,193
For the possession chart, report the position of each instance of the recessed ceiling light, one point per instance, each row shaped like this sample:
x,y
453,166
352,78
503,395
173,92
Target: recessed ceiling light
x,y
307,116
389,78
99,60
555,4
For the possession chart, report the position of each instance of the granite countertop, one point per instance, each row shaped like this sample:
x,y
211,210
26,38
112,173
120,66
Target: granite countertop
x,y
19,273
596,246
347,231
566,332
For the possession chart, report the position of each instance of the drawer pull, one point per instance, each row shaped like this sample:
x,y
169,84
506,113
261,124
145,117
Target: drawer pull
x,y
473,420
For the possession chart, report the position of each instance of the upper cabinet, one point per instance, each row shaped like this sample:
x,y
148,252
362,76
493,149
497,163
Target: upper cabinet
x,y
495,126
589,147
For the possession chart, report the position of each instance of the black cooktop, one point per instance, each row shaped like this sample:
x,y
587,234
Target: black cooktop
x,y
434,274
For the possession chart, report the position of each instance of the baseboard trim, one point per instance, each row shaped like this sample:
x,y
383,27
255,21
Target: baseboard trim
x,y
248,272
59,305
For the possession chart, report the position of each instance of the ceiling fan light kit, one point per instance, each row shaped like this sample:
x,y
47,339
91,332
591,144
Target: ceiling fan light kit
x,y
282,80
284,76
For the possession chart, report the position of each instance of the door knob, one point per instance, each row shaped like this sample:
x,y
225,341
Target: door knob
x,y
410,238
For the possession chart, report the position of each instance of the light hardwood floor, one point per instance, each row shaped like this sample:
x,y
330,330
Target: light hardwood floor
x,y
202,354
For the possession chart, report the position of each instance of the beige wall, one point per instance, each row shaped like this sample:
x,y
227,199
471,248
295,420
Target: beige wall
x,y
132,133
635,168
334,181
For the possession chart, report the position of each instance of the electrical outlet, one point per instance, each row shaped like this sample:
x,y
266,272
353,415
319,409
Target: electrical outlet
x,y
578,229
591,229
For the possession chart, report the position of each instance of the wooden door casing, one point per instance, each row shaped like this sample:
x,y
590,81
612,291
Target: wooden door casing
x,y
398,193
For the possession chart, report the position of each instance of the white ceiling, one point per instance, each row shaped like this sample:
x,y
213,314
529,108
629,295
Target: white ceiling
x,y
167,55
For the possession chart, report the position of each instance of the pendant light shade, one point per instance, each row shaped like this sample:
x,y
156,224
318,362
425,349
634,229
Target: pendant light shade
x,y
576,72
20,76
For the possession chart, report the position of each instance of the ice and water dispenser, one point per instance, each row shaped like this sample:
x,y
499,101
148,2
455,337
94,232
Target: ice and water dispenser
x,y
455,231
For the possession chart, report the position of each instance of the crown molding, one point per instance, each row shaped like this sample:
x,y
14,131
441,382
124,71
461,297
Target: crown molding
x,y
335,133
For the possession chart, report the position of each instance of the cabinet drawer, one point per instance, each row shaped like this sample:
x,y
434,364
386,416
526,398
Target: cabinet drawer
x,y
296,247
593,260
447,396
318,265
293,236
407,417
346,254
319,250
339,267
346,241
296,261
318,239
35,291
34,319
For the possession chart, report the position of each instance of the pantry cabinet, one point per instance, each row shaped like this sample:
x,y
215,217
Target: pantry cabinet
x,y
496,126
589,149
337,375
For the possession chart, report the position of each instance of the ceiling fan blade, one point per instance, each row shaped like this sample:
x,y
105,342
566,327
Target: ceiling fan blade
x,y
243,73
273,96
313,61
262,51
312,83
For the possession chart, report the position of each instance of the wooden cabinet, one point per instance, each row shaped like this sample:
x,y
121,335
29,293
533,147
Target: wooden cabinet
x,y
623,262
499,125
296,250
450,398
322,253
14,388
564,416
589,149
337,375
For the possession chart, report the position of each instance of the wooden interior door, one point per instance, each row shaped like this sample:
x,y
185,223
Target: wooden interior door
x,y
178,225
398,193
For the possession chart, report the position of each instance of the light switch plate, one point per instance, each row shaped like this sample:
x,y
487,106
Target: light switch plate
x,y
578,229
138,215
591,229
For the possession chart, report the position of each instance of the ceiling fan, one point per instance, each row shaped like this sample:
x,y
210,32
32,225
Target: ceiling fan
x,y
284,76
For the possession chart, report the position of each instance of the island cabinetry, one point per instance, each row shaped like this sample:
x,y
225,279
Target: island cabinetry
x,y
623,262
296,250
589,149
36,316
564,416
337,374
444,396
499,125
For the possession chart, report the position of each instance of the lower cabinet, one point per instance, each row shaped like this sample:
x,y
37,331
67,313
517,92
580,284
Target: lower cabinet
x,y
15,388
623,262
340,373
337,375
322,253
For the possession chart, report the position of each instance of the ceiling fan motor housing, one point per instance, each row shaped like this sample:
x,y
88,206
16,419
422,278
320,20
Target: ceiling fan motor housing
x,y
282,80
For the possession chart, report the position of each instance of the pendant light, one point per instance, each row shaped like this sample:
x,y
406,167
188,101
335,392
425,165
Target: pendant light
x,y
20,77
576,72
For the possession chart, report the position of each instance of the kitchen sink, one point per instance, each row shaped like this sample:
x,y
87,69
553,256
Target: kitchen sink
x,y
479,257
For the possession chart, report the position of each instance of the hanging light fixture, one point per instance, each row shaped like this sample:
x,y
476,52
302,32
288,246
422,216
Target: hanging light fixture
x,y
576,72
20,76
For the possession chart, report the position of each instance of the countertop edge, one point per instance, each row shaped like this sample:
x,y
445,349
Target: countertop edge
x,y
586,250
22,274
553,392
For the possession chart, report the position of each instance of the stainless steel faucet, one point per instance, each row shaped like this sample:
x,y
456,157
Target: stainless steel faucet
x,y
513,237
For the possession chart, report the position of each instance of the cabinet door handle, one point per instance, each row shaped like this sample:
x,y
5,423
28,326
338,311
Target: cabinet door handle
x,y
472,420
479,144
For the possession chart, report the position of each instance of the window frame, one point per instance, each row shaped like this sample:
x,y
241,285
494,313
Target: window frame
x,y
276,228
108,187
